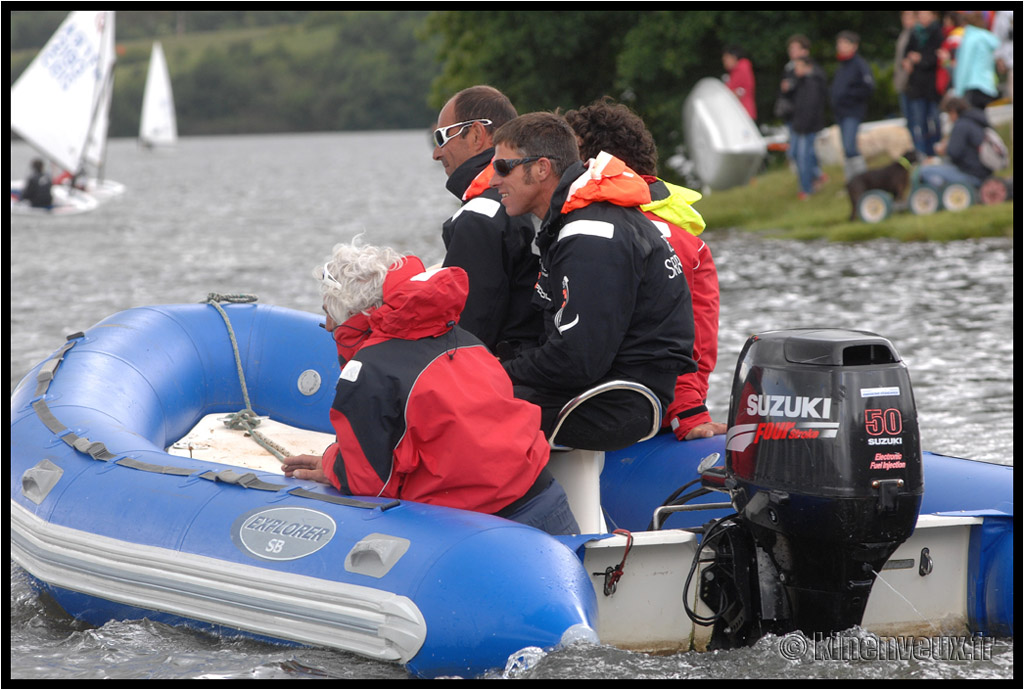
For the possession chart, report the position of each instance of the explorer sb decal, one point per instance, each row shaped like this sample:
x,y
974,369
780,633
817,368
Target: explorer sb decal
x,y
282,534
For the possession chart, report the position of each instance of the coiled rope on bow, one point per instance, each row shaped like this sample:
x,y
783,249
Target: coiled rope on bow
x,y
246,419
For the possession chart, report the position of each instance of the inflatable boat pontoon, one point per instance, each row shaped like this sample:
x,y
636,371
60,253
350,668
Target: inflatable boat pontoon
x,y
114,522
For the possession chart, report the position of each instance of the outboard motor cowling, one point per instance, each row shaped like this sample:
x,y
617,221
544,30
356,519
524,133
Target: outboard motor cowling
x,y
823,465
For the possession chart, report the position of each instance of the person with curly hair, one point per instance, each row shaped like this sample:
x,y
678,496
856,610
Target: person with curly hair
x,y
608,126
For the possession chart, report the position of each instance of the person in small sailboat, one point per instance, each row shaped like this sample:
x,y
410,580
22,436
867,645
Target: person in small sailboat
x,y
37,188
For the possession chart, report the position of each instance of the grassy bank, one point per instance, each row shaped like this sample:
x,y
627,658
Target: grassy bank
x,y
769,205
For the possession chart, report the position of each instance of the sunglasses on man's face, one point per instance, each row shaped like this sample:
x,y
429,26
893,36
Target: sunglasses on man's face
x,y
504,166
442,137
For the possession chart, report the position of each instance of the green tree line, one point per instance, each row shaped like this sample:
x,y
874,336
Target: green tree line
x,y
647,59
29,30
236,72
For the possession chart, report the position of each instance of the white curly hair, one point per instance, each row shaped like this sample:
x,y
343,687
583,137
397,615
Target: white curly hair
x,y
352,280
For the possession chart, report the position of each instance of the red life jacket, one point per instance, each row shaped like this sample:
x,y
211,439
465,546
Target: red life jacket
x,y
609,179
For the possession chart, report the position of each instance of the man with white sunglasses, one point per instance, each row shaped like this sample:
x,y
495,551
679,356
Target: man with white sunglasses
x,y
495,249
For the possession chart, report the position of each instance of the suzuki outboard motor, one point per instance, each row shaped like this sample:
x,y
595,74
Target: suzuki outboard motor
x,y
823,465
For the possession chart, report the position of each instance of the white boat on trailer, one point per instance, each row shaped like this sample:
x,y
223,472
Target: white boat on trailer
x,y
722,141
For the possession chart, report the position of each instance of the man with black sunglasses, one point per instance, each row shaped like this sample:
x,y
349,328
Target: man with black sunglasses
x,y
615,299
494,248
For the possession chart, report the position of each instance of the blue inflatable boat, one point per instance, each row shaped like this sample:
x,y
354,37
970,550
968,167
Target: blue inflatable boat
x,y
114,526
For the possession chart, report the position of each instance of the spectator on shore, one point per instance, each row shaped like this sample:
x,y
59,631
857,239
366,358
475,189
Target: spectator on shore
x,y
1002,27
798,45
908,20
974,64
740,78
921,62
852,88
809,97
961,148
952,33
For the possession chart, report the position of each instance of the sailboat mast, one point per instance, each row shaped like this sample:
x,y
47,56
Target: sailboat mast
x,y
96,146
98,139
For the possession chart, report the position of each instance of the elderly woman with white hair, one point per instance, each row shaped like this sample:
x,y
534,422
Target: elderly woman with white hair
x,y
423,411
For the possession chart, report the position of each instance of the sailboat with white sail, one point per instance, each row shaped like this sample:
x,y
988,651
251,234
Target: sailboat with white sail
x,y
158,127
60,105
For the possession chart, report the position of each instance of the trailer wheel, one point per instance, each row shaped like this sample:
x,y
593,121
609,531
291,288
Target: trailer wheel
x,y
957,196
925,200
993,191
874,206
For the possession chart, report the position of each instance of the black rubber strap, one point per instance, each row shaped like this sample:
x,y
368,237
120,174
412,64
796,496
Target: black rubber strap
x,y
98,451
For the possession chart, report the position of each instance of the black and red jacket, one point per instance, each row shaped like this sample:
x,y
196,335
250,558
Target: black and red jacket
x,y
497,252
616,301
422,410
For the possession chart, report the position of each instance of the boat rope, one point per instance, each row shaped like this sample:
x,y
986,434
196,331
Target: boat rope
x,y
613,573
246,419
98,451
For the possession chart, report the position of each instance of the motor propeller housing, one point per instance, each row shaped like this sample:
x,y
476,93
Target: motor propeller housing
x,y
823,465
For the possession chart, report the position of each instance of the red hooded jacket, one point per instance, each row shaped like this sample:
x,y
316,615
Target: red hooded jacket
x,y
741,83
423,411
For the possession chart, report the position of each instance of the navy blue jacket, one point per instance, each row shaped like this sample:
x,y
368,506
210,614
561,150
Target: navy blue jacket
x,y
809,99
37,190
852,88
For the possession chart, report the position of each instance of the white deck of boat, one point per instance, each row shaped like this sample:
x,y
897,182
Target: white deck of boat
x,y
211,440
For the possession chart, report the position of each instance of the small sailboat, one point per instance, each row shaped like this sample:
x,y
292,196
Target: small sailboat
x,y
60,104
67,201
158,127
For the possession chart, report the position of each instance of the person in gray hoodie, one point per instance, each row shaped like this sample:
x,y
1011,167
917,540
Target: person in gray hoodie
x,y
961,149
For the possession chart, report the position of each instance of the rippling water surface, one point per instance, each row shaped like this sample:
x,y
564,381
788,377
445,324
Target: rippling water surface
x,y
256,214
